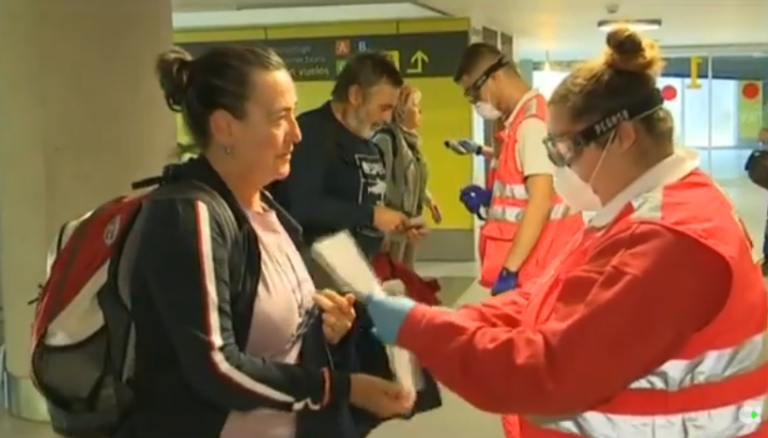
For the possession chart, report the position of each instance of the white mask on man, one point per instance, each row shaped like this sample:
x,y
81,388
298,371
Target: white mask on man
x,y
487,111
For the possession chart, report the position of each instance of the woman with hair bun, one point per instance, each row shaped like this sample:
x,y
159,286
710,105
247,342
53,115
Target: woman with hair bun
x,y
651,323
232,338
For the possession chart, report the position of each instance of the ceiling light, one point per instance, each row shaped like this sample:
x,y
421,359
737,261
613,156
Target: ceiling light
x,y
635,25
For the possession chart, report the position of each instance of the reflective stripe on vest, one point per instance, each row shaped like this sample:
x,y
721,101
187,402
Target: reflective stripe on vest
x,y
512,213
730,421
515,191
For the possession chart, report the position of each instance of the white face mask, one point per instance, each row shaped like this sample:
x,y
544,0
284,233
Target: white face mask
x,y
577,193
487,111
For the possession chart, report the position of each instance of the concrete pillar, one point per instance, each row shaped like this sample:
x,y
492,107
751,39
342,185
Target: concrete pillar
x,y
81,117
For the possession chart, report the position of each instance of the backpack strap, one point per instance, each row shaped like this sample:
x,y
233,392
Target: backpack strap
x,y
218,205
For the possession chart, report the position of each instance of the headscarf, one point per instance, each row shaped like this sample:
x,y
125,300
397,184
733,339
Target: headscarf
x,y
409,97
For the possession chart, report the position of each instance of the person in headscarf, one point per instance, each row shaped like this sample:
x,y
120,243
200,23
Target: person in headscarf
x,y
406,174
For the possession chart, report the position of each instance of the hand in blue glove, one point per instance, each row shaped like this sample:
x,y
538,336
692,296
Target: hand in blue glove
x,y
506,282
388,314
474,198
463,147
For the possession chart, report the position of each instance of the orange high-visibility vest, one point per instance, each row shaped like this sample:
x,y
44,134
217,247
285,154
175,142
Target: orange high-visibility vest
x,y
510,197
716,386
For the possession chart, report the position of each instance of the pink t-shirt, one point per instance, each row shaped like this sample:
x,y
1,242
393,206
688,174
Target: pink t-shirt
x,y
285,295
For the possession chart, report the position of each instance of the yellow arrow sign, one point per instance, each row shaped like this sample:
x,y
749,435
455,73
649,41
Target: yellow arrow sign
x,y
418,60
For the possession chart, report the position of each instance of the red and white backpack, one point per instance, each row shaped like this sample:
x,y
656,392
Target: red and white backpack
x,y
82,335
81,329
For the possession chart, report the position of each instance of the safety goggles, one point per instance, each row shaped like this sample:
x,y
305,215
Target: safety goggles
x,y
472,93
563,149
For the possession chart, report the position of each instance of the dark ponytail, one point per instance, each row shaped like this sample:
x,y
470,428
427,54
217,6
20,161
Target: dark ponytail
x,y
172,69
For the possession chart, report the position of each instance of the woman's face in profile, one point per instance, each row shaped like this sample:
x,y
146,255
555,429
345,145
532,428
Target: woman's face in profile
x,y
269,132
412,119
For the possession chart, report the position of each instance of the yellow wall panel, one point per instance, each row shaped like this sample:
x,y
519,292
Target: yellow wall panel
x,y
445,115
312,94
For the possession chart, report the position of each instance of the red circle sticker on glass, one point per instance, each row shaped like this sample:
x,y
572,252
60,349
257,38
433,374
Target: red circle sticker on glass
x,y
750,90
669,93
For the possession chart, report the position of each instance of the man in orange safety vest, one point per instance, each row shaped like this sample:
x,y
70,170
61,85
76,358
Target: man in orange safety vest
x,y
526,223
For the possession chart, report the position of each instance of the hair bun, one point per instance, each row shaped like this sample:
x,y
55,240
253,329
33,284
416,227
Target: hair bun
x,y
172,68
628,51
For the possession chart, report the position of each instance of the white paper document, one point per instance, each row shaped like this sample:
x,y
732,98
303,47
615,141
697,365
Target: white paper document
x,y
342,258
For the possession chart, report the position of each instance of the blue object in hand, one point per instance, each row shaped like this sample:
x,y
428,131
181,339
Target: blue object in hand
x,y
506,282
474,198
388,314
463,147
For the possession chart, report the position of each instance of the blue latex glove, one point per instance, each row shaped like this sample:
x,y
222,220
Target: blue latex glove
x,y
463,147
388,314
474,198
506,282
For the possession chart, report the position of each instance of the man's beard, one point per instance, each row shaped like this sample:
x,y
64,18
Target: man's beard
x,y
361,126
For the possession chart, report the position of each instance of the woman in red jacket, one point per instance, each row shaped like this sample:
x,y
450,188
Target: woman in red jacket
x,y
651,322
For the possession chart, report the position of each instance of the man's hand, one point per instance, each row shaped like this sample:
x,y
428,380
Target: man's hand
x,y
487,152
475,197
338,314
383,398
387,220
506,282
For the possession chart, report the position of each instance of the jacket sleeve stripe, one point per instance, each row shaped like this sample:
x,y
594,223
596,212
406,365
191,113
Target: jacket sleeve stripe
x,y
216,342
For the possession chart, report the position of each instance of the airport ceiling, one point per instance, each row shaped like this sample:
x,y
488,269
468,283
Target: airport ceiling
x,y
567,29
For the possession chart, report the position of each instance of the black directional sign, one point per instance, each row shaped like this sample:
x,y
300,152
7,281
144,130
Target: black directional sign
x,y
320,59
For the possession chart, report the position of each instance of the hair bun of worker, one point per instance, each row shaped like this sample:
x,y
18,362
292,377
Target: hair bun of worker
x,y
172,69
629,52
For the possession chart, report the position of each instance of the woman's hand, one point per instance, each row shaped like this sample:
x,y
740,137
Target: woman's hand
x,y
383,398
434,210
338,314
415,234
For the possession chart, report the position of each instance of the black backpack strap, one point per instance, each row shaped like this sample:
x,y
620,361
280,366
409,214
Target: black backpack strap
x,y
170,174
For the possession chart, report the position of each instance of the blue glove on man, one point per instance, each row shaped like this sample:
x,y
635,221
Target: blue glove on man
x,y
463,147
506,281
388,314
474,198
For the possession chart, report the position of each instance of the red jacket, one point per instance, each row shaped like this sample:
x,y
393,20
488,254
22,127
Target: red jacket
x,y
650,325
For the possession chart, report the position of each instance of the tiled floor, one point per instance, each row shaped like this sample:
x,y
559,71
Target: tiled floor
x,y
456,418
